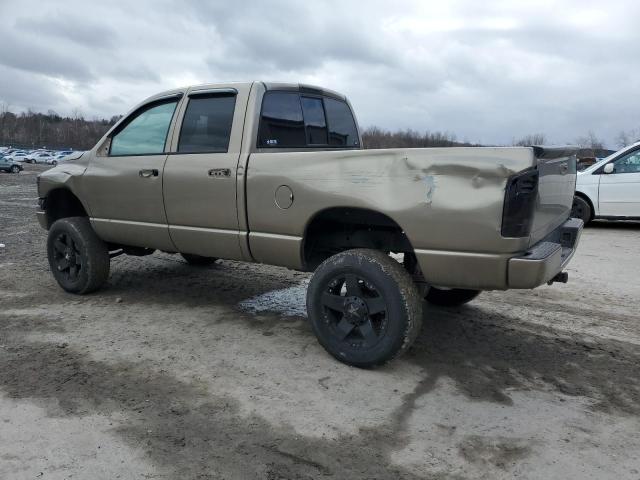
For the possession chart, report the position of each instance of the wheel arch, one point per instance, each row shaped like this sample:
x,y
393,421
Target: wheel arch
x,y
587,199
60,203
336,229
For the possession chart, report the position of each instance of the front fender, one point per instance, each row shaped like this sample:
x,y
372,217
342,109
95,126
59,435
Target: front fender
x,y
67,176
61,176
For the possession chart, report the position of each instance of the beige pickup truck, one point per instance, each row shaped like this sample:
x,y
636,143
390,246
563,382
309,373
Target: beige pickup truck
x,y
276,173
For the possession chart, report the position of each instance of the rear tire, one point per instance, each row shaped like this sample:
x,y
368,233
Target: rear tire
x,y
451,297
78,259
198,260
15,169
581,209
363,307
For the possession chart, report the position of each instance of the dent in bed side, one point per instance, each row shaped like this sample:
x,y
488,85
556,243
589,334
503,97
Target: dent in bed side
x,y
443,199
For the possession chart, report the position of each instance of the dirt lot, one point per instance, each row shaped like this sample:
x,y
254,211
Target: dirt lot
x,y
179,372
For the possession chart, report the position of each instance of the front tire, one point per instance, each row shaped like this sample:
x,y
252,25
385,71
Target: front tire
x,y
198,260
15,169
451,297
78,259
363,307
581,209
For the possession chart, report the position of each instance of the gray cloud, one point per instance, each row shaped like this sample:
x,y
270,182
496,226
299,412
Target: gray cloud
x,y
70,27
38,57
487,71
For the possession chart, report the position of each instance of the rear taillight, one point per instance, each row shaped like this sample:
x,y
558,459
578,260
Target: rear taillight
x,y
519,204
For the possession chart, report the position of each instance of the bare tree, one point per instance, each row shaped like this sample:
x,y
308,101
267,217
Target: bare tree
x,y
590,141
627,137
531,139
375,137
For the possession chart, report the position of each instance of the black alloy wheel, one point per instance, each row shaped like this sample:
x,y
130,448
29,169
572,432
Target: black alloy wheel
x,y
363,307
67,258
78,258
356,310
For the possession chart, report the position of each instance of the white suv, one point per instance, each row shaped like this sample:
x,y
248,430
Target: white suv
x,y
610,188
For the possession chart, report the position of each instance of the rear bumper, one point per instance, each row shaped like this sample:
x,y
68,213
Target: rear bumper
x,y
547,258
491,271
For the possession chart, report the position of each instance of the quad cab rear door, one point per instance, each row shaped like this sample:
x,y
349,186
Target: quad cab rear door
x,y
202,175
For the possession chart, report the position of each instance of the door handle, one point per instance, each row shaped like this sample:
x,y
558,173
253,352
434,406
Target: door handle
x,y
220,172
146,173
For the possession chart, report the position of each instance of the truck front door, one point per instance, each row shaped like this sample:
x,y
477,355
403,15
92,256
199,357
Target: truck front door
x,y
200,175
123,184
619,193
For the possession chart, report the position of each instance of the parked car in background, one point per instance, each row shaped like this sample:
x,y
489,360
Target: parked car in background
x,y
8,165
586,162
610,189
55,160
61,157
38,157
17,156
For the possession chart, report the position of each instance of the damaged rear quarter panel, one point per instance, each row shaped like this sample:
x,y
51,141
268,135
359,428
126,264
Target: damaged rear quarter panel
x,y
443,198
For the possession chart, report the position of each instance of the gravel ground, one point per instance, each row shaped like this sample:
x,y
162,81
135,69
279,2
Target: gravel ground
x,y
173,371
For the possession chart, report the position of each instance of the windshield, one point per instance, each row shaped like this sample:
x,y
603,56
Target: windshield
x,y
599,163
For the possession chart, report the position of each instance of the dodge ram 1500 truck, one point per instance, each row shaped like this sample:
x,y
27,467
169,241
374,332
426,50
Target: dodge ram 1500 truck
x,y
276,173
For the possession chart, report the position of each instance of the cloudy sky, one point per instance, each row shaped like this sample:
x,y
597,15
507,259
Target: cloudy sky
x,y
489,71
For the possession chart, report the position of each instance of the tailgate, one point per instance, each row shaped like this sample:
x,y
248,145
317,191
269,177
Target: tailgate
x,y
556,187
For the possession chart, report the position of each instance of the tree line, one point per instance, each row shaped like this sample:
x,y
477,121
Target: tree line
x,y
50,130
34,130
374,137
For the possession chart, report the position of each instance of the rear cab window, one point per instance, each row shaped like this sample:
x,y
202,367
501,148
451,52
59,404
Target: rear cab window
x,y
298,120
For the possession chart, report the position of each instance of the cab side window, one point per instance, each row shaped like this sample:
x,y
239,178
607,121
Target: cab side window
x,y
206,127
146,132
630,163
342,126
294,120
314,121
281,121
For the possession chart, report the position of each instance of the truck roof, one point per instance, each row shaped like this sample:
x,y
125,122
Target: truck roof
x,y
298,87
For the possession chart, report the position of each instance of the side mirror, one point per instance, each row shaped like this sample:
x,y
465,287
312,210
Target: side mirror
x,y
608,168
